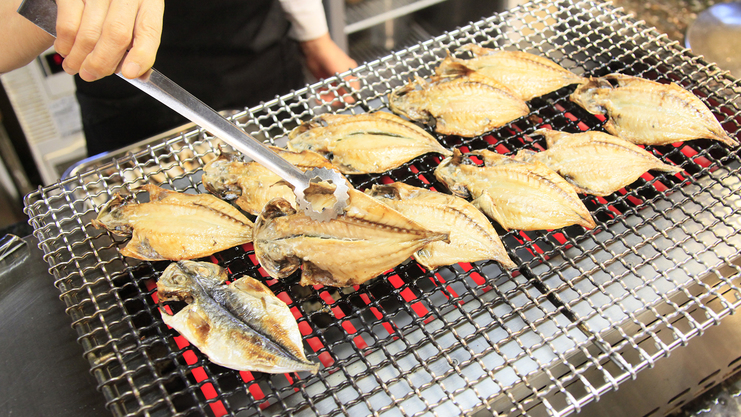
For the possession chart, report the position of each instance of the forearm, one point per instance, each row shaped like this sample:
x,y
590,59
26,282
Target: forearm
x,y
28,41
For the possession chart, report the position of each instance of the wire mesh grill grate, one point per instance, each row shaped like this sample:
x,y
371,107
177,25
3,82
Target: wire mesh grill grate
x,y
585,311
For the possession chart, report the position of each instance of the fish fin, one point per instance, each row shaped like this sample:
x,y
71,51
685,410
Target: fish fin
x,y
156,193
452,67
475,49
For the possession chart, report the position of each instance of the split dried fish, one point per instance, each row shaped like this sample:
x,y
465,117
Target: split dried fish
x,y
174,226
467,106
472,236
251,184
527,75
649,113
595,162
367,240
241,326
364,143
517,194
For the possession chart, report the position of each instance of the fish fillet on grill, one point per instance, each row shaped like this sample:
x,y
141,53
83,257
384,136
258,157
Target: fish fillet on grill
x,y
468,105
649,113
174,226
517,194
241,325
364,143
472,236
527,75
595,162
251,184
367,240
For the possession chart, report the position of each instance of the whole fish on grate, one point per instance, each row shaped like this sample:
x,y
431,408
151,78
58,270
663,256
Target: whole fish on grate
x,y
174,226
250,183
517,194
527,75
468,106
367,240
595,162
649,113
241,325
472,236
364,143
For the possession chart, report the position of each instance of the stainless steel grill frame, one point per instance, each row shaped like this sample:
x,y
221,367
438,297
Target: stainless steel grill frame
x,y
585,311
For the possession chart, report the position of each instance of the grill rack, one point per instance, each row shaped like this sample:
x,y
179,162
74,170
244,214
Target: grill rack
x,y
585,311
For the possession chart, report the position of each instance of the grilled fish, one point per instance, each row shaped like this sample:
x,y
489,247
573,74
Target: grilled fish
x,y
364,143
472,236
241,326
527,75
517,194
595,162
174,226
649,113
368,239
250,183
464,105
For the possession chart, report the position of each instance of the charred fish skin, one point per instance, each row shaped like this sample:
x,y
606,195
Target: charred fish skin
x,y
516,194
466,105
241,326
252,185
364,143
367,240
528,75
595,162
174,226
472,236
649,113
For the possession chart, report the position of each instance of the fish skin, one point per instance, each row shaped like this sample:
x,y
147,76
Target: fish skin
x,y
595,162
527,75
649,113
174,226
518,195
241,326
472,236
250,183
364,143
466,105
367,240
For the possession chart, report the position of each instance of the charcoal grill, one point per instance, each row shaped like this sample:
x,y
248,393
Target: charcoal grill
x,y
585,312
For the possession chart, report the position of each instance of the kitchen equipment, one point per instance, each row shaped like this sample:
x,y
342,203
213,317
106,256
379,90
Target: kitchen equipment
x,y
586,312
43,13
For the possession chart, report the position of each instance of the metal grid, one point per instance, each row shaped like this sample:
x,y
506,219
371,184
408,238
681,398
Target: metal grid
x,y
585,310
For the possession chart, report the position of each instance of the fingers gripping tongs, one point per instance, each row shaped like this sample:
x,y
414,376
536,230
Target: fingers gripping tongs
x,y
43,13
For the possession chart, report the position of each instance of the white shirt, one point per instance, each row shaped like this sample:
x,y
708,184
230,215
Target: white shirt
x,y
307,18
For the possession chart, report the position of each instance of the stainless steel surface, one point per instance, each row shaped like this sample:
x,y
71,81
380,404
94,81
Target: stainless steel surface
x,y
585,313
43,14
716,34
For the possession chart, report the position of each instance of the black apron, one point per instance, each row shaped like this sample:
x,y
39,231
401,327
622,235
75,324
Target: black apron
x,y
231,54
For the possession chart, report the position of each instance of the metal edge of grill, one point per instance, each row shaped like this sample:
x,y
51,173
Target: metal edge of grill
x,y
586,310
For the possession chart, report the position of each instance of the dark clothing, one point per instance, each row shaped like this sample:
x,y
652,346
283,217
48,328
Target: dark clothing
x,y
231,54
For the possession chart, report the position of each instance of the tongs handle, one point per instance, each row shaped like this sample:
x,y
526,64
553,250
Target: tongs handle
x,y
43,13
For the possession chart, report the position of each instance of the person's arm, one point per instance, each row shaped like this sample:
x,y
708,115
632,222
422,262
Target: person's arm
x,y
23,41
309,26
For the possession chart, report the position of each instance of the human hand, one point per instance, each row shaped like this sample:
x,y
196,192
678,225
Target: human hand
x,y
94,36
325,59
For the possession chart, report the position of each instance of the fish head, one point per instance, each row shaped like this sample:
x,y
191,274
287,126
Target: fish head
x,y
112,216
448,172
592,95
409,100
179,283
220,179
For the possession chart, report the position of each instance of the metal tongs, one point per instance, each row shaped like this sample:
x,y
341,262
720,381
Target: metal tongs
x,y
43,13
